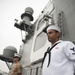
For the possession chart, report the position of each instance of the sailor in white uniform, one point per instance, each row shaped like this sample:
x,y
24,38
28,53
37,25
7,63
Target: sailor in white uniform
x,y
60,58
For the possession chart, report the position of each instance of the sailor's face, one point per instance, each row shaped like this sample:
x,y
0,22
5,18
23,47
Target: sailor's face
x,y
52,35
15,59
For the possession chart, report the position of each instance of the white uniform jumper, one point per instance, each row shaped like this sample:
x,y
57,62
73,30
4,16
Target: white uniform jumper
x,y
62,60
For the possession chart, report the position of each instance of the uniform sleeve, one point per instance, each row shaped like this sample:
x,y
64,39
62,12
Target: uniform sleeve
x,y
69,50
19,68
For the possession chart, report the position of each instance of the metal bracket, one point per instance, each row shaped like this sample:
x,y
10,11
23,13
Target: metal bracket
x,y
60,22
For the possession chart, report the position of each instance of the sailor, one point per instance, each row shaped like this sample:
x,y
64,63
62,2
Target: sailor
x,y
60,58
16,66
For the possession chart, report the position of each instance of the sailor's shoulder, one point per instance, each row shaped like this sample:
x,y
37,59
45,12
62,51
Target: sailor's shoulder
x,y
67,43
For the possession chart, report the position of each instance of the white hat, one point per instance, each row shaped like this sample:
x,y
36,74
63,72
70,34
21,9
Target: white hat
x,y
17,55
54,27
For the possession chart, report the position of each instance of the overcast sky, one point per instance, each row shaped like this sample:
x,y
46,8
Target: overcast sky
x,y
10,10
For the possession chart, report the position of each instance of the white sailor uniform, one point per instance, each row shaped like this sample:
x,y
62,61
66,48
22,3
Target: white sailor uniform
x,y
62,59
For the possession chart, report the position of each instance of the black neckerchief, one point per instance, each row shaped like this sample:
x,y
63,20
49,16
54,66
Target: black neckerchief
x,y
49,52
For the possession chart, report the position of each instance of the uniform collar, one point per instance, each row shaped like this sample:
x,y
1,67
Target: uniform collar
x,y
57,42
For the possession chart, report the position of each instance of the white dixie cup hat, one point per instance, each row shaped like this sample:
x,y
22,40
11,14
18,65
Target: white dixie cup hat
x,y
54,27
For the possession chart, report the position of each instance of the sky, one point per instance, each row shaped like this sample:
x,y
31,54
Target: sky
x,y
10,10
